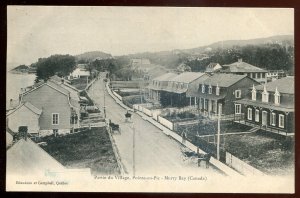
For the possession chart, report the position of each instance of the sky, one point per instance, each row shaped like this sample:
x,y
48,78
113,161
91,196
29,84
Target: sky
x,y
40,31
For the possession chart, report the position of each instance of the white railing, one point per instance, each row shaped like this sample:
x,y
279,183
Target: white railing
x,y
117,95
165,122
241,166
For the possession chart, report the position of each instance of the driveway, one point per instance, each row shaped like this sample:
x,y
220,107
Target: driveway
x,y
155,153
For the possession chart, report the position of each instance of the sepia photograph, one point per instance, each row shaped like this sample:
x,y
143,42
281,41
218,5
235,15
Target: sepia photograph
x,y
150,99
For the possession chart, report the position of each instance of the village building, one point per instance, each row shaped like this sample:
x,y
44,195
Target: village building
x,y
27,159
46,109
271,106
243,68
275,75
154,72
9,137
24,115
171,89
81,71
222,89
213,67
157,85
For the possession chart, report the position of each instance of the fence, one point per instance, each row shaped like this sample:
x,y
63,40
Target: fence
x,y
128,84
117,95
241,166
165,122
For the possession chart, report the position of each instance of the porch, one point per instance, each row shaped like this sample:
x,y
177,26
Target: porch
x,y
265,128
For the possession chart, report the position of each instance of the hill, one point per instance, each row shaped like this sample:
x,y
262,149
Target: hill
x,y
91,56
20,69
279,39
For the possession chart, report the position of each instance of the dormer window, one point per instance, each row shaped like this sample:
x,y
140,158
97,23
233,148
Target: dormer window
x,y
277,97
253,93
238,93
203,88
265,95
209,89
217,90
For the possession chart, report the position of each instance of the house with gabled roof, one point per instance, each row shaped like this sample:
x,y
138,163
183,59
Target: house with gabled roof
x,y
26,114
221,90
213,67
27,159
59,113
271,106
243,68
170,89
159,84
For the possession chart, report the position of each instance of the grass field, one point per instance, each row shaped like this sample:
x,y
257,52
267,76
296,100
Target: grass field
x,y
264,153
88,149
79,83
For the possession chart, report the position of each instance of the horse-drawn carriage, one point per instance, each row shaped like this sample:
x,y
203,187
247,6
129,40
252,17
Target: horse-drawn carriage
x,y
192,155
128,116
114,127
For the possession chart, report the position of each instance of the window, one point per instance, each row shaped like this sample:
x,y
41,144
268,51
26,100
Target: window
x,y
281,121
263,75
209,89
265,95
253,93
273,119
203,88
249,113
217,90
237,108
55,118
256,115
277,97
238,93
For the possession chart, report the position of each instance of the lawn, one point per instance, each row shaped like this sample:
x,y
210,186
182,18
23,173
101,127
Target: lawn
x,y
272,156
87,149
79,83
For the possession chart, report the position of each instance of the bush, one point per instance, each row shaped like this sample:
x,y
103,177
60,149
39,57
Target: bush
x,y
131,100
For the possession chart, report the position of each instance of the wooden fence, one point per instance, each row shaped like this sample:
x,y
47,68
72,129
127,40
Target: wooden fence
x,y
241,166
165,122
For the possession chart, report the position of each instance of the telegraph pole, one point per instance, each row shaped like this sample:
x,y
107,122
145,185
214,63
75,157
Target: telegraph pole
x,y
133,149
218,137
104,110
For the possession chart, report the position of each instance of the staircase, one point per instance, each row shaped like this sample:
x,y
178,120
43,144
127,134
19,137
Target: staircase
x,y
254,129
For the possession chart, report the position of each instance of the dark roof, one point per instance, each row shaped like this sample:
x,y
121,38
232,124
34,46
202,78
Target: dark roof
x,y
288,107
223,80
241,66
283,85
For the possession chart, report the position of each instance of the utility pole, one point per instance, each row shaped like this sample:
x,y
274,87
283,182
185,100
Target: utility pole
x,y
133,149
104,110
218,137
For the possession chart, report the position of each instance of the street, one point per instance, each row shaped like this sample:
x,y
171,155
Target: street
x,y
155,153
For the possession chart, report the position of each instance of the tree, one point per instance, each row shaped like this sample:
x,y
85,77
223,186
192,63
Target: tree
x,y
61,65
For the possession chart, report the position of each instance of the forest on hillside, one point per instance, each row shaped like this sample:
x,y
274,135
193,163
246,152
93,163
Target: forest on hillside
x,y
267,56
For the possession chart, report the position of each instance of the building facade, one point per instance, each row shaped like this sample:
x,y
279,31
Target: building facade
x,y
58,114
221,90
243,68
271,106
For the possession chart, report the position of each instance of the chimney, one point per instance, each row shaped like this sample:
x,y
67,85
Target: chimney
x,y
11,103
23,132
240,60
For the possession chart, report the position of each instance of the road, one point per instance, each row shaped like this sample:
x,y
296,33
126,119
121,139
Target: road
x,y
155,153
